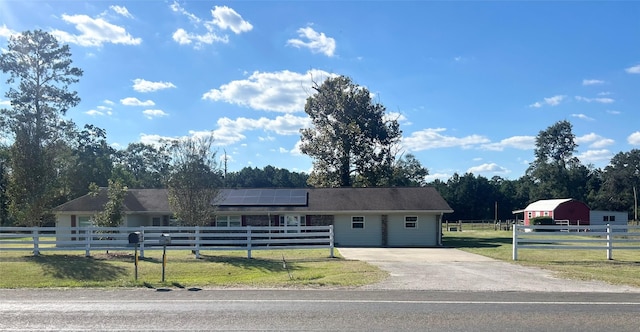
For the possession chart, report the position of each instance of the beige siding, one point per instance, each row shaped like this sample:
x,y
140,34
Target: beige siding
x,y
423,236
369,236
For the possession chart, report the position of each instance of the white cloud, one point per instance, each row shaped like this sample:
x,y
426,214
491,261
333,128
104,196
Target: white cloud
x,y
551,101
594,156
150,114
175,6
295,151
396,116
132,101
634,139
316,42
94,32
6,32
438,176
94,113
432,138
582,116
613,112
516,142
223,18
154,140
182,37
592,82
227,18
283,91
595,100
487,168
633,70
5,102
594,140
283,150
121,10
108,102
141,85
231,131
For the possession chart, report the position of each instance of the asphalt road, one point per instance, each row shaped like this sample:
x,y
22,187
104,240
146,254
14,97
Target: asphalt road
x,y
315,310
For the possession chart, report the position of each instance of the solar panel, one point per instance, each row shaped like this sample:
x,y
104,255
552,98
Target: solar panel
x,y
264,197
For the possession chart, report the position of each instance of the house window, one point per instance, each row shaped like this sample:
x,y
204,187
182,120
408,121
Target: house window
x,y
411,222
529,215
228,221
291,223
84,221
546,213
155,221
357,222
608,218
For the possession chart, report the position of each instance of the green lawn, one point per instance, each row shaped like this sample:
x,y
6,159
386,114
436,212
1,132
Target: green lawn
x,y
304,268
624,269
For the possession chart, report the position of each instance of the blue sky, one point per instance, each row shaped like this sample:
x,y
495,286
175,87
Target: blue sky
x,y
472,83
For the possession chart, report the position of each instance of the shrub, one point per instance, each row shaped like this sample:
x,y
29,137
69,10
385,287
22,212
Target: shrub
x,y
542,221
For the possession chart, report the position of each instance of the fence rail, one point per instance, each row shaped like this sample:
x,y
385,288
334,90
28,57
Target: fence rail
x,y
573,237
249,238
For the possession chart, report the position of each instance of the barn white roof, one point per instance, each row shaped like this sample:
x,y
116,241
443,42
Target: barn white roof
x,y
544,205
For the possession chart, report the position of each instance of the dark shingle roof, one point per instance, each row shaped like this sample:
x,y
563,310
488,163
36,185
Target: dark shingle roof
x,y
136,200
320,200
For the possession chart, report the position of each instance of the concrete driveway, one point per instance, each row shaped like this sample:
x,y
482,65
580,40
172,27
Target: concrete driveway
x,y
449,269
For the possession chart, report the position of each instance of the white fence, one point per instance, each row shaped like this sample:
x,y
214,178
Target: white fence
x,y
593,237
195,239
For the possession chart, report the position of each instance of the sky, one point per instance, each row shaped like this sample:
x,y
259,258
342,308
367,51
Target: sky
x,y
471,82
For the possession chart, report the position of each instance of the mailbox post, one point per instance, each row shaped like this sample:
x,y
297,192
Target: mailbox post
x,y
165,239
135,238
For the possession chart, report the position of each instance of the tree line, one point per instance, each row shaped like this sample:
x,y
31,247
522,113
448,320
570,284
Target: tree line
x,y
352,141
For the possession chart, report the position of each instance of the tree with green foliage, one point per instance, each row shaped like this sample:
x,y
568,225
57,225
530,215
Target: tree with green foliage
x,y
40,73
350,135
4,180
408,172
143,165
195,180
113,212
267,177
92,159
621,183
551,171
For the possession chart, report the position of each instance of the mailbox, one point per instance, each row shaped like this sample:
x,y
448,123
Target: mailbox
x,y
135,237
165,239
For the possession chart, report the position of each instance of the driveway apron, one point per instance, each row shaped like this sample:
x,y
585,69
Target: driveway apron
x,y
450,269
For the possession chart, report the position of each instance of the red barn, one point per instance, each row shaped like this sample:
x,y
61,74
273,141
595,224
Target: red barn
x,y
567,209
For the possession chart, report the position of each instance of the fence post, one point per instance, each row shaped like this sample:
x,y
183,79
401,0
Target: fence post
x,y
142,242
87,245
609,243
515,243
197,239
36,241
249,242
331,241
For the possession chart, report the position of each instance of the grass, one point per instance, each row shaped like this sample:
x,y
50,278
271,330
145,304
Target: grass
x,y
572,264
304,268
